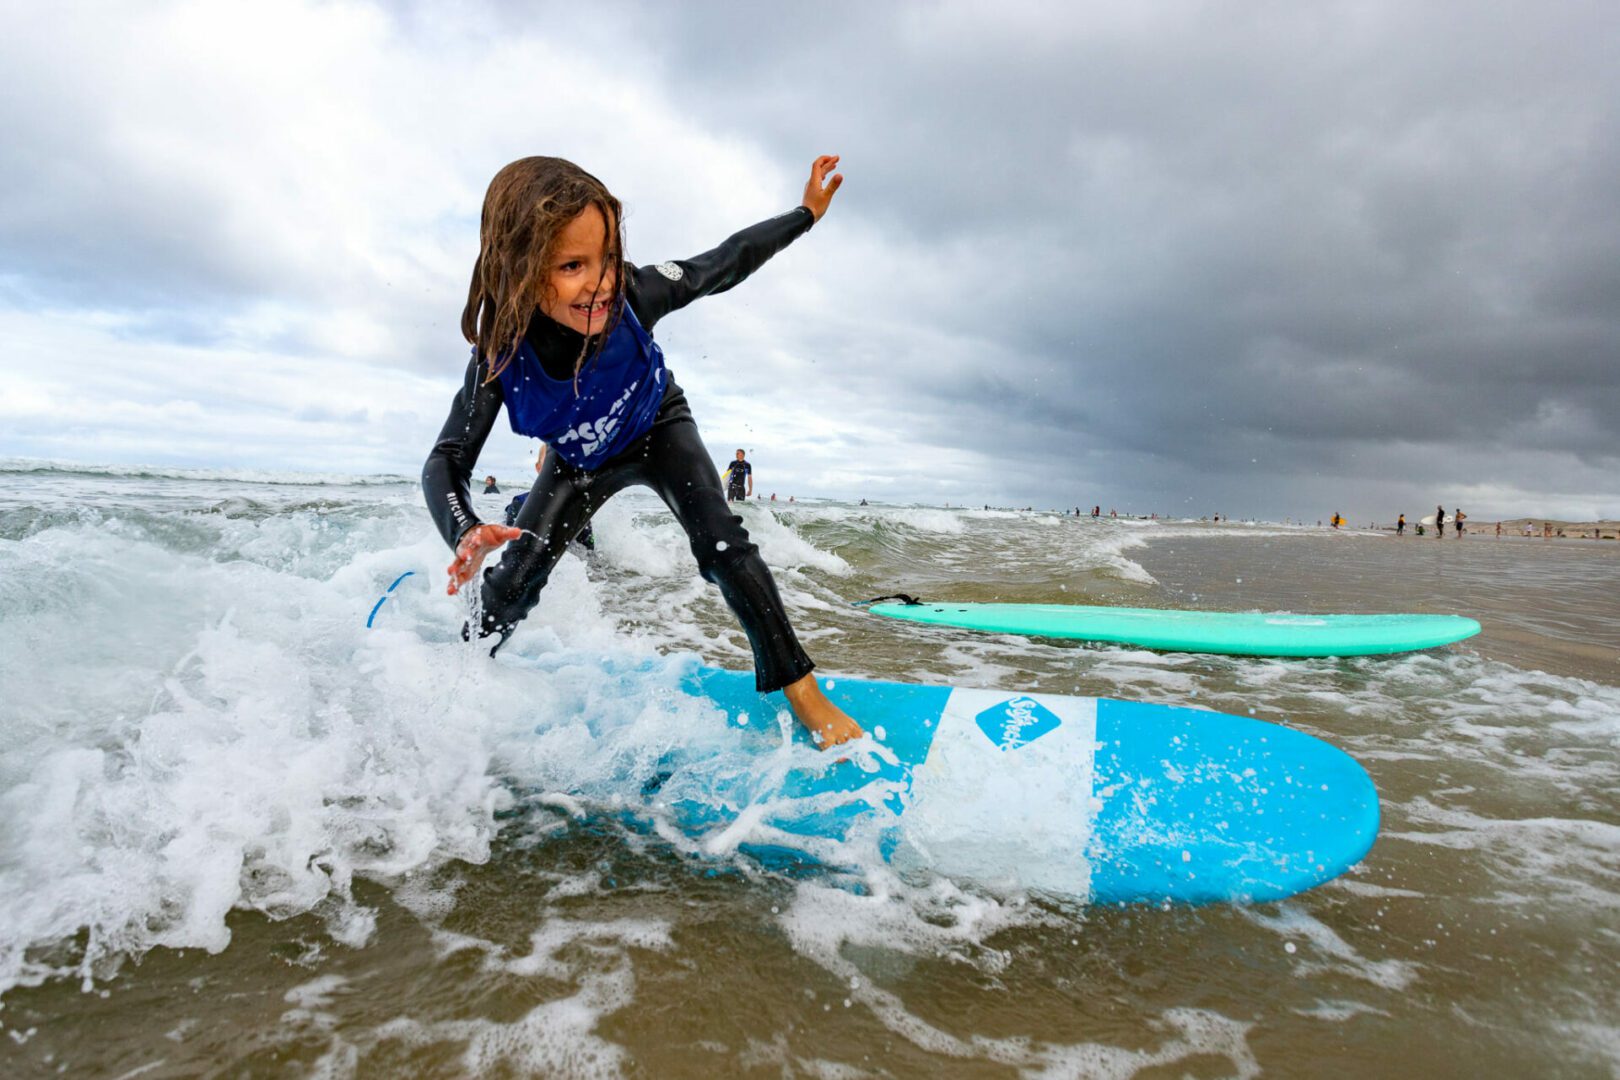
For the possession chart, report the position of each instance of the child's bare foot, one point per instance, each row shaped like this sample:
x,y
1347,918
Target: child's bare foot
x,y
825,721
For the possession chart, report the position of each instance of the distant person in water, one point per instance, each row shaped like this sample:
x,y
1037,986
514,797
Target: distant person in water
x,y
736,473
1400,525
489,486
1439,521
1457,520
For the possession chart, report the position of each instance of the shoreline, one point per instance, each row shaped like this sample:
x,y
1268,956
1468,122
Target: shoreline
x,y
1540,529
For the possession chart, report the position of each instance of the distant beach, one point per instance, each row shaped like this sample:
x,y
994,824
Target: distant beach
x,y
1540,528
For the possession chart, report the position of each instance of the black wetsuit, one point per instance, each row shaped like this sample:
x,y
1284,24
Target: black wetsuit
x,y
669,458
586,537
736,480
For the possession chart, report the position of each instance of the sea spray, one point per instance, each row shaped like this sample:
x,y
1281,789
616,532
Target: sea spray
x,y
411,856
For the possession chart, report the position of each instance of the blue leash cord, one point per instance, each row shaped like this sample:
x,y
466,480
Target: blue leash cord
x,y
384,597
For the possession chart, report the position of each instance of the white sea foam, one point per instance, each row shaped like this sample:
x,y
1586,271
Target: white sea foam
x,y
170,472
1293,922
784,549
923,520
195,720
918,519
827,925
1545,850
557,1037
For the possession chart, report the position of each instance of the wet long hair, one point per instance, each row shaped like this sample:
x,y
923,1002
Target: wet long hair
x,y
527,205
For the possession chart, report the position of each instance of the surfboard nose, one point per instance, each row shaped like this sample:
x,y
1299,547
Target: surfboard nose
x,y
1226,808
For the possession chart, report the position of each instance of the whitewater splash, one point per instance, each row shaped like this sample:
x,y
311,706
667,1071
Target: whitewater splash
x,y
196,725
57,470
255,747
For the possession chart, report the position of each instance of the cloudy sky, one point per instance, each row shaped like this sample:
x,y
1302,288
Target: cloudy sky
x,y
1265,258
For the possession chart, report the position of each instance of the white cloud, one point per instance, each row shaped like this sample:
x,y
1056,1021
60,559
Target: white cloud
x,y
1095,257
302,183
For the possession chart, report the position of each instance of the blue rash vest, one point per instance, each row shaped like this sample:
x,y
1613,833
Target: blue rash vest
x,y
620,389
631,367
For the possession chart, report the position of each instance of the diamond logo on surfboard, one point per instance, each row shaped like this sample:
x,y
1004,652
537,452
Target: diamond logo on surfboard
x,y
1017,722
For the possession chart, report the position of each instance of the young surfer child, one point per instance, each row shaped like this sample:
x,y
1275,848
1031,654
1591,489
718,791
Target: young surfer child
x,y
561,329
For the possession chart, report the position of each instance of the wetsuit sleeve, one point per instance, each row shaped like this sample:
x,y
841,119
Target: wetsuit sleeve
x,y
450,464
655,291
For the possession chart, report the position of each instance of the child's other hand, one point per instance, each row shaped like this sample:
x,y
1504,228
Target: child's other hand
x,y
475,544
817,196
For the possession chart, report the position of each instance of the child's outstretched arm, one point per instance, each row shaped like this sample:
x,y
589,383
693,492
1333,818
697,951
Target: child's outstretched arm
x,y
655,291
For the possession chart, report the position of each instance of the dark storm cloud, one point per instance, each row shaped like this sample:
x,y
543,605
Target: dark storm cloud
x,y
1258,255
1220,233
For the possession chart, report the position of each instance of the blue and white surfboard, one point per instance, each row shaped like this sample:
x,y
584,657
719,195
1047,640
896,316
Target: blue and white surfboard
x,y
1109,801
1114,801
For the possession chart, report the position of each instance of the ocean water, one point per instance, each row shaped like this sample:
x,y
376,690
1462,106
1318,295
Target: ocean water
x,y
242,834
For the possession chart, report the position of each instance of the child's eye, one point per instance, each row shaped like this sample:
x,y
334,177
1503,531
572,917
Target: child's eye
x,y
574,264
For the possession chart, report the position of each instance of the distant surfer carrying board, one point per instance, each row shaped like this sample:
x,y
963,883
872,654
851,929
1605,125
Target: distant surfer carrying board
x,y
736,473
560,325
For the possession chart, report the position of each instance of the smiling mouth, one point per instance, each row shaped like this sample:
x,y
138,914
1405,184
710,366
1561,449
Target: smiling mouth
x,y
595,310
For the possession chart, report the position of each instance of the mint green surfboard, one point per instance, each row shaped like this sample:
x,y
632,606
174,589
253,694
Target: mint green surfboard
x,y
1235,633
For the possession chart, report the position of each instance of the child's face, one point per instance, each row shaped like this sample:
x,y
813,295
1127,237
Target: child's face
x,y
580,282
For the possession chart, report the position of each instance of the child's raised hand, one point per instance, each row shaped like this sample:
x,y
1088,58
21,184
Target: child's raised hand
x,y
476,543
816,196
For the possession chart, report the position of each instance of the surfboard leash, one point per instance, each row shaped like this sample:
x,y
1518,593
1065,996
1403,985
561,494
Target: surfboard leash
x,y
378,606
909,601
